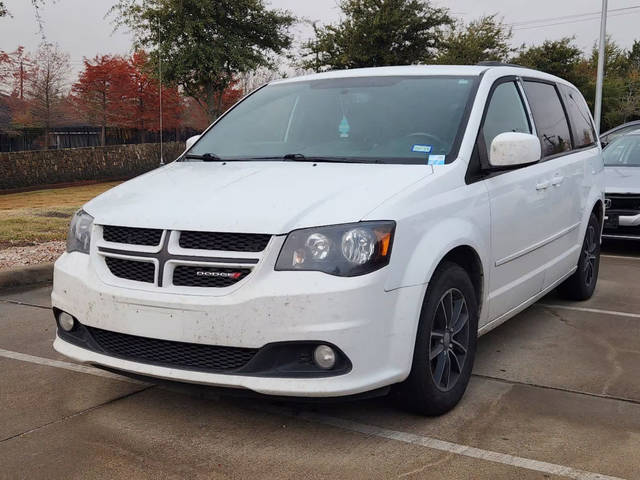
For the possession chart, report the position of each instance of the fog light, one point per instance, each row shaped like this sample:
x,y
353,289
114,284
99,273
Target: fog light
x,y
324,356
66,321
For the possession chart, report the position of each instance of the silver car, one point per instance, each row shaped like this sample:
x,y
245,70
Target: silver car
x,y
622,167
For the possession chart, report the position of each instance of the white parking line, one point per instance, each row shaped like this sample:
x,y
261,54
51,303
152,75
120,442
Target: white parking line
x,y
428,442
449,447
589,310
74,367
620,257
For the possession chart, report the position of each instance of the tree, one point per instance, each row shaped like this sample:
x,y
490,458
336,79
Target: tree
x,y
634,56
250,81
144,98
4,11
616,59
376,33
558,57
619,90
47,79
203,44
101,91
5,67
485,39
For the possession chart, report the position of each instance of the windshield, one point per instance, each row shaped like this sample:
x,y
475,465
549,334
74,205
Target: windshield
x,y
376,119
623,152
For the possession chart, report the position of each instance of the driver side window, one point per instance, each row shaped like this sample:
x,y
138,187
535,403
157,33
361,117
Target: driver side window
x,y
506,113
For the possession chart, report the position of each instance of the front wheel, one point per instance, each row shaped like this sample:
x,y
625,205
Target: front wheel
x,y
582,284
445,344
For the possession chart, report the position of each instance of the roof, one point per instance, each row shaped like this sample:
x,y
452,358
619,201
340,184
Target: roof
x,y
408,70
424,70
619,127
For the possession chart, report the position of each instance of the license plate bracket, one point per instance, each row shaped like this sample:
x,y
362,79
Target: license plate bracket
x,y
611,220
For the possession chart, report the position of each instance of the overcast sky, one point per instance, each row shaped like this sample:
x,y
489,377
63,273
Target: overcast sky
x,y
81,29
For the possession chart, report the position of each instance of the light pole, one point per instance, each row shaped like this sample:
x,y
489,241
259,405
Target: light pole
x,y
601,62
160,78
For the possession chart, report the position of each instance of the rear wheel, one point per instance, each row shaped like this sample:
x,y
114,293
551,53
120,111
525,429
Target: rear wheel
x,y
445,345
582,284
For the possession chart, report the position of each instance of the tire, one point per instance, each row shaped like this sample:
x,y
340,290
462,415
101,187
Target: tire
x,y
429,390
581,285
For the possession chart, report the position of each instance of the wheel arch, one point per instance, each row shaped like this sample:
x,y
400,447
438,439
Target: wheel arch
x,y
469,260
598,209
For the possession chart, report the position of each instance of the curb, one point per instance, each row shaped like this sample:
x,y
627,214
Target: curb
x,y
23,276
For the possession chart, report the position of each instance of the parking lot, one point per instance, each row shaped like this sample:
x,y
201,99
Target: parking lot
x,y
555,394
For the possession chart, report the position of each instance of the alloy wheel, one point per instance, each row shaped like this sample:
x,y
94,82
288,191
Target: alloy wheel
x,y
589,253
449,339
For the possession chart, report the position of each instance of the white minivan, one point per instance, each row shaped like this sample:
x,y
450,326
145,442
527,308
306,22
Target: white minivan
x,y
342,233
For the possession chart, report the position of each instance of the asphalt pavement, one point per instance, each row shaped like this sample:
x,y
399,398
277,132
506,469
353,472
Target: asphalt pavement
x,y
555,394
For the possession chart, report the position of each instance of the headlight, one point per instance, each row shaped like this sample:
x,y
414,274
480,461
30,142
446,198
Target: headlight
x,y
79,238
343,250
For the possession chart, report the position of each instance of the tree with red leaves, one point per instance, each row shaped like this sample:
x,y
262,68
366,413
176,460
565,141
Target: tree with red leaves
x,y
103,90
145,98
14,72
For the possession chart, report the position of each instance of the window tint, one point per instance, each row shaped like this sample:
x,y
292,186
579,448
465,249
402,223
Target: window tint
x,y
548,114
581,125
380,118
623,152
623,131
506,113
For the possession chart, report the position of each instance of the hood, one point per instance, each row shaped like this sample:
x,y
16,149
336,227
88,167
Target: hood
x,y
622,179
252,197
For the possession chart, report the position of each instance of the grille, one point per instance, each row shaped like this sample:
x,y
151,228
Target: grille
x,y
230,242
132,236
624,202
131,269
190,276
624,231
190,356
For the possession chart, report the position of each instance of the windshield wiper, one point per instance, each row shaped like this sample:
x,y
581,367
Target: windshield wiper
x,y
206,157
299,157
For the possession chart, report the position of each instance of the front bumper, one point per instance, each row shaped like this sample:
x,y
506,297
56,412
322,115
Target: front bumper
x,y
621,225
374,328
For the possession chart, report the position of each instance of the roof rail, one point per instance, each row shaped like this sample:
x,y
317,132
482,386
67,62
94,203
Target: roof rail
x,y
493,63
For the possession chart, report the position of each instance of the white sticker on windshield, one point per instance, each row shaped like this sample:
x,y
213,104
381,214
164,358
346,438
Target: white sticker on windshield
x,y
421,148
436,159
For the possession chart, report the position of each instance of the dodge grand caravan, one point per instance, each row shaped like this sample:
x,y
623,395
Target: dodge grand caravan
x,y
342,233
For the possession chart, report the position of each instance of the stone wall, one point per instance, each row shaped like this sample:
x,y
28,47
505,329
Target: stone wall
x,y
24,170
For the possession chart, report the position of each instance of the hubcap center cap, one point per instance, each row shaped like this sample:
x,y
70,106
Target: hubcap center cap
x,y
447,338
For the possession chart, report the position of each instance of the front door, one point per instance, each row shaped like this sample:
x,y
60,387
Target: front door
x,y
521,223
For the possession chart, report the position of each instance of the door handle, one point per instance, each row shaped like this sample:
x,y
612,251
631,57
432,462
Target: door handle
x,y
543,185
557,180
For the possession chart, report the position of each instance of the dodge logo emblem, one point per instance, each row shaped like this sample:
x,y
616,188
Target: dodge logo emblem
x,y
233,275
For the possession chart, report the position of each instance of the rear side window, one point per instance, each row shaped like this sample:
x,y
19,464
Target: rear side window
x,y
582,128
549,117
506,113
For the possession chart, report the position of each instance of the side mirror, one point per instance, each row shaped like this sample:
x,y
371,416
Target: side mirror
x,y
192,140
512,149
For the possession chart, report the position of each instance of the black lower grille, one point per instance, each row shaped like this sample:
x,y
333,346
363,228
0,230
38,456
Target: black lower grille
x,y
624,202
131,269
191,276
132,236
230,242
192,356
